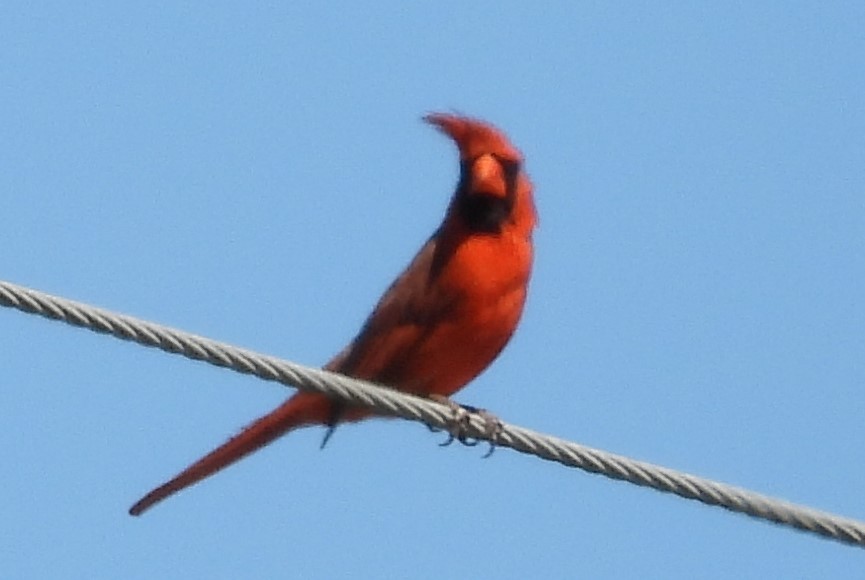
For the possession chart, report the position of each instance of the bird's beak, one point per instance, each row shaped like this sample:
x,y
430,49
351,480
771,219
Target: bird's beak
x,y
487,177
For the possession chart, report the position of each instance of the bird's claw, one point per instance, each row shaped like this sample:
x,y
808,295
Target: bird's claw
x,y
459,423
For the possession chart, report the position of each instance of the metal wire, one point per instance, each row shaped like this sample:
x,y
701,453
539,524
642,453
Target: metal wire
x,y
390,402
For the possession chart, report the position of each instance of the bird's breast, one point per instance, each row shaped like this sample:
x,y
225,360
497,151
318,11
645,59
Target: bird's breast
x,y
486,281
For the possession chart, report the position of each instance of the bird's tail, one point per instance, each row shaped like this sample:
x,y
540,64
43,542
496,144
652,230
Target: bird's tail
x,y
300,410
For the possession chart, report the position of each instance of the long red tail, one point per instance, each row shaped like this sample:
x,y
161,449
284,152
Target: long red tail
x,y
301,409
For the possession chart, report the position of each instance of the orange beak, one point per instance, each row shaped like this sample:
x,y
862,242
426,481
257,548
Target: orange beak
x,y
487,177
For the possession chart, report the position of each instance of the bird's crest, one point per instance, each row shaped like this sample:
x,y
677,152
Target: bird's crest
x,y
473,137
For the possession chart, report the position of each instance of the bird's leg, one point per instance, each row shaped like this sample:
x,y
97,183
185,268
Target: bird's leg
x,y
459,423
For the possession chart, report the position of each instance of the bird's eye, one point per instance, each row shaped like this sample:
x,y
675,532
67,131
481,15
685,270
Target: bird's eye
x,y
511,170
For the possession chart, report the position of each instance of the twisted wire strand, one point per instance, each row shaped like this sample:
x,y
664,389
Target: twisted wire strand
x,y
391,402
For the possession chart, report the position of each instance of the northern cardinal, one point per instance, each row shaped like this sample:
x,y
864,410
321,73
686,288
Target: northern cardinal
x,y
443,320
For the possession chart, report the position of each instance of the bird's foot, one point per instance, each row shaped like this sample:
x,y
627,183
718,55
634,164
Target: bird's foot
x,y
458,425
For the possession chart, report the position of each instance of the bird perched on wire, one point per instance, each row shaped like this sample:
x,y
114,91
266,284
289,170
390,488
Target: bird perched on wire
x,y
442,321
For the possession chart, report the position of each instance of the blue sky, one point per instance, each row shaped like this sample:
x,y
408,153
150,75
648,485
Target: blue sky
x,y
258,173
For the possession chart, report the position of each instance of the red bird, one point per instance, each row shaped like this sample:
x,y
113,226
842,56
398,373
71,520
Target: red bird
x,y
444,319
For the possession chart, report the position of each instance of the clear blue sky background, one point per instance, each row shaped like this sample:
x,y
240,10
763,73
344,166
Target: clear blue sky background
x,y
258,173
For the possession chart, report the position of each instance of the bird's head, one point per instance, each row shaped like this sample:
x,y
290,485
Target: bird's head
x,y
492,187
